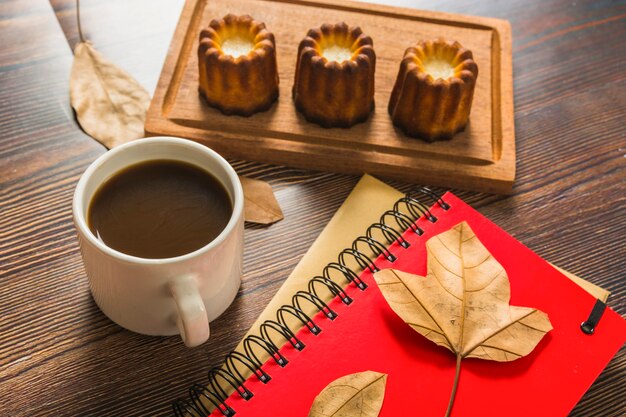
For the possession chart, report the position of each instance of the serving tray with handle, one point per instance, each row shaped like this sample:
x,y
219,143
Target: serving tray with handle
x,y
481,158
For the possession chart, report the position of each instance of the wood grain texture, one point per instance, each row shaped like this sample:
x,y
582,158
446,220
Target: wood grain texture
x,y
480,158
60,356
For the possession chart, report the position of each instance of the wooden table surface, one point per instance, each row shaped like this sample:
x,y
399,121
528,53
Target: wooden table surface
x,y
59,355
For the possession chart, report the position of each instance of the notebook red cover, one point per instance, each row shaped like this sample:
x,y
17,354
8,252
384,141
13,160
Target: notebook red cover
x,y
368,335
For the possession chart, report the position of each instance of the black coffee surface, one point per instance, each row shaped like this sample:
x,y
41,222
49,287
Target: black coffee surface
x,y
159,209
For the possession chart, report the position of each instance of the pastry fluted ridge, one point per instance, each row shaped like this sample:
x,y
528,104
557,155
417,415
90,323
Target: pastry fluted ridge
x,y
332,93
240,85
433,108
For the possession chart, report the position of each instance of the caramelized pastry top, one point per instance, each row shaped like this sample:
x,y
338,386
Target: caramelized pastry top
x,y
236,38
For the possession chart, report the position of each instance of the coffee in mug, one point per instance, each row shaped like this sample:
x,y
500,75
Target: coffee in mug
x,y
159,209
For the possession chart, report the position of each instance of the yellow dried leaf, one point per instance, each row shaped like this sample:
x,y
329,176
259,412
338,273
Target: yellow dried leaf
x,y
359,394
260,205
110,104
463,302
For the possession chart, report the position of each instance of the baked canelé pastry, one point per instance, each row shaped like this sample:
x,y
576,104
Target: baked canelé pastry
x,y
237,63
334,81
432,96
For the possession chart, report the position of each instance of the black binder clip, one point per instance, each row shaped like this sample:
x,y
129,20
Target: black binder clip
x,y
589,326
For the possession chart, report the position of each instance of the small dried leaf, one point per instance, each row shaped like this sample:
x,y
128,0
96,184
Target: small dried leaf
x,y
463,302
356,395
110,104
260,205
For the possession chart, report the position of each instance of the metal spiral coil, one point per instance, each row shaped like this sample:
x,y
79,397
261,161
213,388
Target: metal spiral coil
x,y
405,222
391,234
283,330
331,286
392,224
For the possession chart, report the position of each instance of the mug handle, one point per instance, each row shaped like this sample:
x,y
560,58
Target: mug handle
x,y
192,320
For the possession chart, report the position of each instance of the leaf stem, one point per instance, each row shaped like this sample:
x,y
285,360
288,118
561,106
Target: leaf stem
x,y
80,31
454,385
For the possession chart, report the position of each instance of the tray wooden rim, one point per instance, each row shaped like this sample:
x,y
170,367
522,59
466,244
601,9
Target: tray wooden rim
x,y
497,176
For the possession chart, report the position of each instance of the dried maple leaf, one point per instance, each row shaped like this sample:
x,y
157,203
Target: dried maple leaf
x,y
260,205
359,394
110,104
463,302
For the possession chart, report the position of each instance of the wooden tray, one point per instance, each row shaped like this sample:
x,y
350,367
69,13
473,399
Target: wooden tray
x,y
482,158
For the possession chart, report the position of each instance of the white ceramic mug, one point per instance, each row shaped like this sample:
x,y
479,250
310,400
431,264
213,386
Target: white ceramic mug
x,y
178,295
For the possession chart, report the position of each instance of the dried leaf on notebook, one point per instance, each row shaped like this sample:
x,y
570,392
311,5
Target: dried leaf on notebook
x,y
463,302
260,204
110,104
359,394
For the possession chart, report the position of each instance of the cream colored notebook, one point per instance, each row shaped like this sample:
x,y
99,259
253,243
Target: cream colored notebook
x,y
364,206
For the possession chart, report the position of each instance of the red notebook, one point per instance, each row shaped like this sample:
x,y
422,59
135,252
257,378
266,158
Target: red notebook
x,y
367,335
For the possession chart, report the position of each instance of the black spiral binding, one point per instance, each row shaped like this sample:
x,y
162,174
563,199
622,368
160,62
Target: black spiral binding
x,y
406,211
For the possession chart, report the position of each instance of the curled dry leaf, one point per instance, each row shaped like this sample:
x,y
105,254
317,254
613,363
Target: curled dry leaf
x,y
260,205
359,394
463,302
110,104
